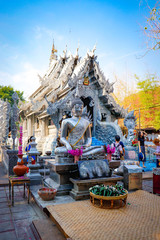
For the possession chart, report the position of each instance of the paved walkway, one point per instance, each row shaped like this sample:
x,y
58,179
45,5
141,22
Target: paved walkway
x,y
23,221
3,176
15,221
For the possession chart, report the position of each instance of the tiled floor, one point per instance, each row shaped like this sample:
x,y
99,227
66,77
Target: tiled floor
x,y
15,221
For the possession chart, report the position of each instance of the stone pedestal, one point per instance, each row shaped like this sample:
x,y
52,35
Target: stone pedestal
x,y
60,173
132,177
80,190
34,174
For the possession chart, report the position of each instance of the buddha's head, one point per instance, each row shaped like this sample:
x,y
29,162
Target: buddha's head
x,y
77,107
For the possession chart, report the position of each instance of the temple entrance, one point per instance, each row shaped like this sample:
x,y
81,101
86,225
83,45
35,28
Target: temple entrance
x,y
88,102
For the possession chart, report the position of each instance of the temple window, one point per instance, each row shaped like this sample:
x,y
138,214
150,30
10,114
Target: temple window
x,y
50,122
103,116
37,123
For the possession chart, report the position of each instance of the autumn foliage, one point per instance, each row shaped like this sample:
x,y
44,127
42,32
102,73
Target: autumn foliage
x,y
147,100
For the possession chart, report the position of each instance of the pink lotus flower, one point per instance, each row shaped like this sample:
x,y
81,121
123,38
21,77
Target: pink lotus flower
x,y
76,152
108,149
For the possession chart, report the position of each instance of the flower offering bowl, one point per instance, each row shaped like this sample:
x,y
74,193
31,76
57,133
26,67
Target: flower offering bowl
x,y
47,194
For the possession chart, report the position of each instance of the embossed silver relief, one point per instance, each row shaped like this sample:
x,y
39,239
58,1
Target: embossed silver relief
x,y
4,119
106,131
1,120
6,112
14,118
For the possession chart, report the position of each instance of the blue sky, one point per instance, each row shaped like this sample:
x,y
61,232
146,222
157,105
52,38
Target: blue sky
x,y
27,30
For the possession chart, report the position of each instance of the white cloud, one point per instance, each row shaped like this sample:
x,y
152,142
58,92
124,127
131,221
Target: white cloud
x,y
5,78
43,31
129,54
104,55
26,80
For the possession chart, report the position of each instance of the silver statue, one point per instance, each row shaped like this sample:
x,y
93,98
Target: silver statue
x,y
130,123
76,132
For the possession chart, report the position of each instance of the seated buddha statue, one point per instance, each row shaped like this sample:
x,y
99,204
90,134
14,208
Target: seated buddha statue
x,y
76,133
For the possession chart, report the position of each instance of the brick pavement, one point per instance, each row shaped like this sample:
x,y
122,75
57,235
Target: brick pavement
x,y
15,221
3,176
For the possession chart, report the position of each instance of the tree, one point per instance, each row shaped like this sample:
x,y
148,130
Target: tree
x,y
150,99
122,90
152,28
147,100
6,92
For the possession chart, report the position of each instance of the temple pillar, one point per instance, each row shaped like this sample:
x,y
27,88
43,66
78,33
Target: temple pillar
x,y
24,124
43,129
29,126
95,109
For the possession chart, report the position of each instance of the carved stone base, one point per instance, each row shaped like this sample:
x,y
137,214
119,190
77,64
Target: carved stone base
x,y
59,177
81,187
64,158
67,158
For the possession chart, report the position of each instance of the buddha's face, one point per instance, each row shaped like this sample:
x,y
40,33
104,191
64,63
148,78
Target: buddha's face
x,y
77,110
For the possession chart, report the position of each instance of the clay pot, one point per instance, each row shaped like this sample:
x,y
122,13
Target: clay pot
x,y
47,194
20,170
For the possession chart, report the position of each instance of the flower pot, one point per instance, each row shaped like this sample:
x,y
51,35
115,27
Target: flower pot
x,y
109,156
76,159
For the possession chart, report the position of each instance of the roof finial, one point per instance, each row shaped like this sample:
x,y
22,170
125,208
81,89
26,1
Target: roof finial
x,y
65,52
94,48
53,55
77,49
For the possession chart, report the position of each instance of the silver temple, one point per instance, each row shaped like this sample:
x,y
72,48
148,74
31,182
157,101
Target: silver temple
x,y
67,76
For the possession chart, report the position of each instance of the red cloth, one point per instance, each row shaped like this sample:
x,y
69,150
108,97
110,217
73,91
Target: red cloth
x,y
156,183
33,161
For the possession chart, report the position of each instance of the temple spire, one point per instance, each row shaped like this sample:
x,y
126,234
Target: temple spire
x,y
53,55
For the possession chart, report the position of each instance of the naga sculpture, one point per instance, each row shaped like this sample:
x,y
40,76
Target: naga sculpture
x,y
130,123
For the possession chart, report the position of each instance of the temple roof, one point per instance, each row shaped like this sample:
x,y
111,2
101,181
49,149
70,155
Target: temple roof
x,y
62,77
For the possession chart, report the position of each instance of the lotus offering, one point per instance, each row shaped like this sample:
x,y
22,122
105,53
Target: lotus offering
x,y
101,195
102,190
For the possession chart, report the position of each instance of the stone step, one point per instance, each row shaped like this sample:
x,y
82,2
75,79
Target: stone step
x,y
44,171
46,230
